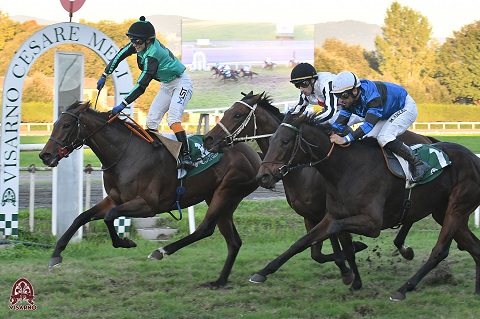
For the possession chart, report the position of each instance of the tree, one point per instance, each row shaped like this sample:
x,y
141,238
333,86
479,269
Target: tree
x,y
336,56
403,49
37,89
458,63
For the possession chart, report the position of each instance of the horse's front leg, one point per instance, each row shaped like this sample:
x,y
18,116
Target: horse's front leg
x,y
137,207
96,212
317,234
399,242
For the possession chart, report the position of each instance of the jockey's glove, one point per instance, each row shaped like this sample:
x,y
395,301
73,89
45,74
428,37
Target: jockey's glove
x,y
101,81
117,109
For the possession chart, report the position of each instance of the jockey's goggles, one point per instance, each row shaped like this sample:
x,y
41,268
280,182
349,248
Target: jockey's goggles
x,y
137,41
343,95
302,84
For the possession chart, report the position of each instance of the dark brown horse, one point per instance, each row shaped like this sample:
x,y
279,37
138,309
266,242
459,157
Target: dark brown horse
x,y
363,197
141,181
255,118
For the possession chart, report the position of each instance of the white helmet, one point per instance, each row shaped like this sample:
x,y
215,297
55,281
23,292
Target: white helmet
x,y
344,81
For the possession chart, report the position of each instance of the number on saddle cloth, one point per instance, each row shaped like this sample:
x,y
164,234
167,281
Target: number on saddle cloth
x,y
435,157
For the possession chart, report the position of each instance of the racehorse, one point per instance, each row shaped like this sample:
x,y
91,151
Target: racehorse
x,y
247,73
363,197
141,181
217,71
255,118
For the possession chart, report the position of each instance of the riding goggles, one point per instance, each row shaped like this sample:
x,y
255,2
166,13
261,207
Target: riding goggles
x,y
343,95
137,41
302,84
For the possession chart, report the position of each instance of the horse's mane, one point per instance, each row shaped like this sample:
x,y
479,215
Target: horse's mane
x,y
325,127
266,103
77,104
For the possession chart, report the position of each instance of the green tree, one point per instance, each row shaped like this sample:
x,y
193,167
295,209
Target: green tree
x,y
37,89
458,63
403,49
336,56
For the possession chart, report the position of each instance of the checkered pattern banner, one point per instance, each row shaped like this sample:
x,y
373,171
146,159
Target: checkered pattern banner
x,y
122,226
9,224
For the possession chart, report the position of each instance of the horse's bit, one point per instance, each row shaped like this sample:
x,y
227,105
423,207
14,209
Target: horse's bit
x,y
232,137
287,168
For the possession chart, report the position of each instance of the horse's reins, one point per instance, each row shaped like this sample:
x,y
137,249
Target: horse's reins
x,y
232,137
287,168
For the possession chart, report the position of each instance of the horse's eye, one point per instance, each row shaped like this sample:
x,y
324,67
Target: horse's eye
x,y
285,142
66,125
238,115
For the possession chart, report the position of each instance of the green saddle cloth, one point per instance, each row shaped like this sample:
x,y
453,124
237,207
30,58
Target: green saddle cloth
x,y
203,159
435,157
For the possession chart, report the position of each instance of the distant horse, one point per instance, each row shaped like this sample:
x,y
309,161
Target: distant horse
x,y
269,65
255,118
363,197
228,74
247,73
141,181
217,71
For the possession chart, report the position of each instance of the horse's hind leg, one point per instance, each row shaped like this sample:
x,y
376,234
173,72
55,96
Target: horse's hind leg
x,y
468,241
399,241
451,226
96,212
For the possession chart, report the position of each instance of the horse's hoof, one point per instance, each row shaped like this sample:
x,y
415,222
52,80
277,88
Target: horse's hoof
x,y
258,279
156,255
359,246
348,278
397,296
125,243
55,261
407,253
356,285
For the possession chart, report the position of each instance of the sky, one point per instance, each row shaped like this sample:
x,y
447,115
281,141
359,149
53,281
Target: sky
x,y
444,16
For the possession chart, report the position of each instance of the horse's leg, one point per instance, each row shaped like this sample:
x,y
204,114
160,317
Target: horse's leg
x,y
349,251
317,234
135,208
399,241
339,259
466,240
215,210
234,242
450,227
96,212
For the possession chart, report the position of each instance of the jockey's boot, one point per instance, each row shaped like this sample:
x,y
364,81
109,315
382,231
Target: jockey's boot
x,y
417,166
185,158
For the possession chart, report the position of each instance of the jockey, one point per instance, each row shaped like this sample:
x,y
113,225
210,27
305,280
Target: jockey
x,y
315,88
157,63
388,111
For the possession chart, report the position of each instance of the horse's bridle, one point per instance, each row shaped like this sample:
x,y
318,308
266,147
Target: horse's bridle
x,y
232,137
299,140
78,142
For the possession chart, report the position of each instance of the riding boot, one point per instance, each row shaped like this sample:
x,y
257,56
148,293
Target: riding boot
x,y
417,166
185,158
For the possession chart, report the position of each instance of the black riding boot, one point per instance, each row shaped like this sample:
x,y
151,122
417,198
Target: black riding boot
x,y
185,158
417,166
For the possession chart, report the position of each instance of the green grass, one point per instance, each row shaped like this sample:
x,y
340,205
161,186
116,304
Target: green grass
x,y
98,281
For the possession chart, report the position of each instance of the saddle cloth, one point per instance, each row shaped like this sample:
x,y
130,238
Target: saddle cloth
x,y
202,158
435,157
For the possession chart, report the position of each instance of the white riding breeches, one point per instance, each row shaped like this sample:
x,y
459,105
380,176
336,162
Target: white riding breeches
x,y
172,97
387,130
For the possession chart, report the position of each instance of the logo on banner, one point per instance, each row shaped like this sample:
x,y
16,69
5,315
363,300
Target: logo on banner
x,y
22,296
9,197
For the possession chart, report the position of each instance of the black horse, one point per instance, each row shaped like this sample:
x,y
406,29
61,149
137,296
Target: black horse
x,y
255,118
363,197
141,181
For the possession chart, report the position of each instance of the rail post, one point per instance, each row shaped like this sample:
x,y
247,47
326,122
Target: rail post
x,y
31,204
88,190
